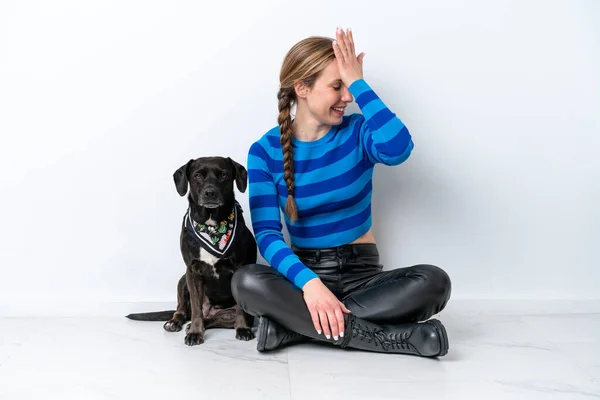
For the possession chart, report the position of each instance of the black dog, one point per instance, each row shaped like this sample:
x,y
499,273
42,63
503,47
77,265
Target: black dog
x,y
215,242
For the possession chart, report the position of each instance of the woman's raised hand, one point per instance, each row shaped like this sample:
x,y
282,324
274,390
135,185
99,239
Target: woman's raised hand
x,y
350,66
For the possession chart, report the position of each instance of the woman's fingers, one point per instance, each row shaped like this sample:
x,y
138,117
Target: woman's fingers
x,y
350,42
341,43
339,316
338,52
314,315
360,58
344,309
335,331
347,43
343,47
331,319
324,323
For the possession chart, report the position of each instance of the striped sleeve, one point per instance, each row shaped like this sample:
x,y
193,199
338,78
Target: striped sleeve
x,y
266,220
384,136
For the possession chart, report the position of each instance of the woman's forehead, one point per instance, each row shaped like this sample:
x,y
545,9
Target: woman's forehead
x,y
331,73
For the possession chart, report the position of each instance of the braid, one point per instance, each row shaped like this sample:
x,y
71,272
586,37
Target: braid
x,y
284,119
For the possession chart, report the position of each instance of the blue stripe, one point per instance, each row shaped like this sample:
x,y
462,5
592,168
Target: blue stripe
x,y
264,241
273,137
307,159
338,205
366,98
266,224
320,222
345,122
358,87
278,257
257,151
342,225
369,144
255,175
304,276
327,185
340,194
258,162
380,119
303,165
372,108
404,156
335,238
398,144
264,213
332,172
294,270
276,245
262,189
288,262
339,212
263,201
275,141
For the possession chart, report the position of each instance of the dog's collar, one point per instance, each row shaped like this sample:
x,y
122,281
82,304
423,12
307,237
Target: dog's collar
x,y
216,239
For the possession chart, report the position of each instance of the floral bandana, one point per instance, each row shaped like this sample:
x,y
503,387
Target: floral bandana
x,y
216,239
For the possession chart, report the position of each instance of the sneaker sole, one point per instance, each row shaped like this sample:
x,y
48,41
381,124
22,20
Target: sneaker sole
x,y
443,336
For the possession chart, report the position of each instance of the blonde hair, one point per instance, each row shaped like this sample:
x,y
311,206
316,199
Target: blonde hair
x,y
303,63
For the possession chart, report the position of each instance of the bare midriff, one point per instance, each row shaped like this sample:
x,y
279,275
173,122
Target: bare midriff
x,y
366,238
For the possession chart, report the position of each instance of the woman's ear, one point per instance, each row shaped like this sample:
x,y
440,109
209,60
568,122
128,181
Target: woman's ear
x,y
301,89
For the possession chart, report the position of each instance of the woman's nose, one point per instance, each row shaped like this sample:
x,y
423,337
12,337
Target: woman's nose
x,y
347,96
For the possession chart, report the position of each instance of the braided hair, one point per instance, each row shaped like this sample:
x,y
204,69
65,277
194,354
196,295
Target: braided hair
x,y
303,63
285,97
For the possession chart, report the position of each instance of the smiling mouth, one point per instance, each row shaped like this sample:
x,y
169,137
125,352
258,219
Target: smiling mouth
x,y
338,110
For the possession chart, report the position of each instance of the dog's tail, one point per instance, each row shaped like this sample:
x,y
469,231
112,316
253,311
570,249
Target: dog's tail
x,y
152,316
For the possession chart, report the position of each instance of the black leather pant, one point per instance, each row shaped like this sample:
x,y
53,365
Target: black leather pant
x,y
354,275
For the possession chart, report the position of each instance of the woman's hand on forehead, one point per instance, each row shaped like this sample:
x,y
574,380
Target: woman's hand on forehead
x,y
350,66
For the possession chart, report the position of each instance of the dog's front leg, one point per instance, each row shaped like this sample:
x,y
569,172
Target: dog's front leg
x,y
243,324
195,282
183,312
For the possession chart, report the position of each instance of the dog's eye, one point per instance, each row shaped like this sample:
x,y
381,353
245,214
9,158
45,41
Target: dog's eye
x,y
224,175
197,176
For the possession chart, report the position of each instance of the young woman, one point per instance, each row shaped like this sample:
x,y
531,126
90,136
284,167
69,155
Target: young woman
x,y
317,168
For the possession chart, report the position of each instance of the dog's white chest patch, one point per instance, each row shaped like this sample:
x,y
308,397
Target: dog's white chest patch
x,y
211,260
210,221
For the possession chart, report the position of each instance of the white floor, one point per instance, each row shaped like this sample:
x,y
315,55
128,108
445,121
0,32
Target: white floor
x,y
553,356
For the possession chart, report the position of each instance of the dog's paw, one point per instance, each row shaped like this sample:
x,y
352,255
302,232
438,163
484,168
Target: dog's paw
x,y
173,325
244,334
193,339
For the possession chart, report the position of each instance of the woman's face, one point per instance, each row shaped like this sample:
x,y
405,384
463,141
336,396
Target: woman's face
x,y
327,99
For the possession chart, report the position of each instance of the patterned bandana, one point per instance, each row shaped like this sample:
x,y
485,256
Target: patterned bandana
x,y
216,239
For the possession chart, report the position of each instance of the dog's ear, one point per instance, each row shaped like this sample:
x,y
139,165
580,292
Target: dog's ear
x,y
241,176
181,178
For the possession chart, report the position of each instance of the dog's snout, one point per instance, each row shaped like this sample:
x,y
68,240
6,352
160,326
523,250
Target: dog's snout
x,y
210,193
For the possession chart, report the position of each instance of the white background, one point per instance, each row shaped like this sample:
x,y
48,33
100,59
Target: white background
x,y
101,101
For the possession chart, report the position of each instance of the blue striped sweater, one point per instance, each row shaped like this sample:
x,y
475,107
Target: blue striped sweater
x,y
333,182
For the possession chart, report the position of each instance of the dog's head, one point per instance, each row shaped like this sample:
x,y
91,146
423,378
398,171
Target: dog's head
x,y
210,180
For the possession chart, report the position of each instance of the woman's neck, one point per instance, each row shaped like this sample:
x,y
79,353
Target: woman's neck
x,y
307,129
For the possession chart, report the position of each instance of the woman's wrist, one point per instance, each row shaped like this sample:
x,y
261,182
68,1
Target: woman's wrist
x,y
311,283
355,79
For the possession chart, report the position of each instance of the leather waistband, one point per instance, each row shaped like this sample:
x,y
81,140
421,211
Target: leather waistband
x,y
344,251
